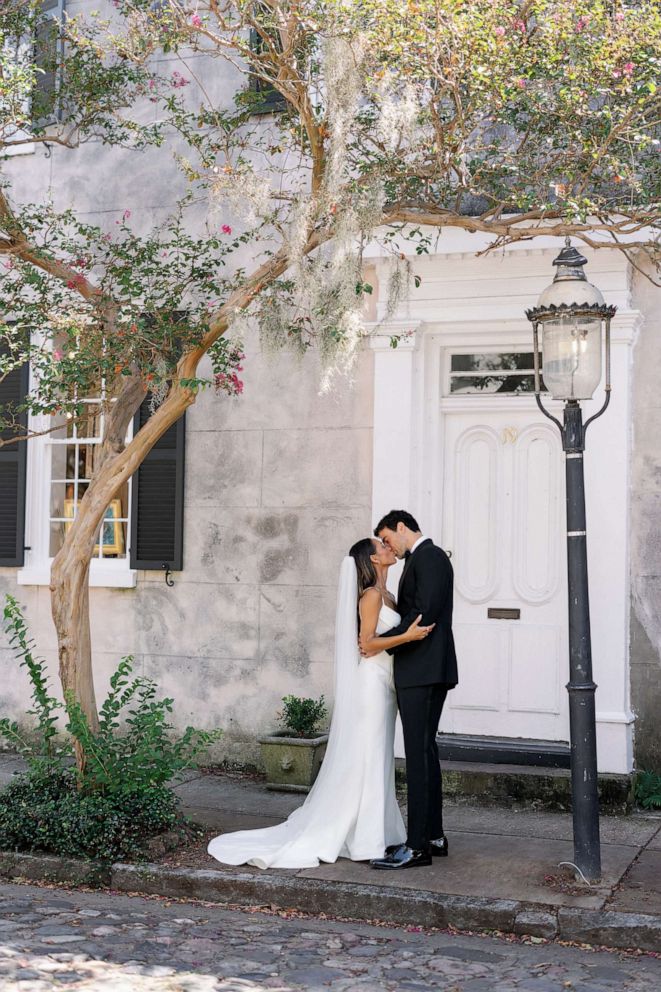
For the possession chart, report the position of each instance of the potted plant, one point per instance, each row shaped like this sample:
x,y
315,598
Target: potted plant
x,y
292,756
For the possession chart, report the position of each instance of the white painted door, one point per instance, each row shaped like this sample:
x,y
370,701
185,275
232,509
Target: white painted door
x,y
503,512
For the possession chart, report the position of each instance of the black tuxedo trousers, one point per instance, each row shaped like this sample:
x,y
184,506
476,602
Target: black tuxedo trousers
x,y
424,672
420,709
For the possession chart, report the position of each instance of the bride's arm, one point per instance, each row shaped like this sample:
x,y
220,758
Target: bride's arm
x,y
369,609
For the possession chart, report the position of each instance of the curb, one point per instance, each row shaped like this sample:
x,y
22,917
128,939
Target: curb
x,y
403,906
312,895
358,902
51,868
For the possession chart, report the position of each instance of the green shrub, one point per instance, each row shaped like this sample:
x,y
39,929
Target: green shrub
x,y
120,798
647,790
51,814
302,716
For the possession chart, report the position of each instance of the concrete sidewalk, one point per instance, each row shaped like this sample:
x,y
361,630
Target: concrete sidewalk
x,y
495,853
504,871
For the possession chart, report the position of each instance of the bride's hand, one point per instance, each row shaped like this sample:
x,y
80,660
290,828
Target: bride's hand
x,y
418,633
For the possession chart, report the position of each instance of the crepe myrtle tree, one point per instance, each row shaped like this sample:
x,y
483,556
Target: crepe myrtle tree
x,y
354,120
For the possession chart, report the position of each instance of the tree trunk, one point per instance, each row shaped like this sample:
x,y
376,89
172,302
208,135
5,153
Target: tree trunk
x,y
70,609
71,566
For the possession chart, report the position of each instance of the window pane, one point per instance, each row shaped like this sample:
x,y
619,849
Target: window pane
x,y
492,383
112,537
57,530
88,423
493,362
58,493
59,461
75,450
87,454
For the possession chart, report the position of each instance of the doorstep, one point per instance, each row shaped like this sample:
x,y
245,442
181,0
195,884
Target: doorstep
x,y
537,787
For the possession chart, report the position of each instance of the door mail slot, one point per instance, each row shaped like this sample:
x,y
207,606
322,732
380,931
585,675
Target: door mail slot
x,y
500,613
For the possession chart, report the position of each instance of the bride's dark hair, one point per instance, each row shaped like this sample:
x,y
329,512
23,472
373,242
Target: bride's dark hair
x,y
361,553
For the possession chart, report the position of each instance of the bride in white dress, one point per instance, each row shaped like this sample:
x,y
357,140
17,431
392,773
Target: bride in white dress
x,y
351,810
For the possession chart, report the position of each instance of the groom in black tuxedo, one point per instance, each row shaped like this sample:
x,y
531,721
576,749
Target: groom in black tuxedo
x,y
424,672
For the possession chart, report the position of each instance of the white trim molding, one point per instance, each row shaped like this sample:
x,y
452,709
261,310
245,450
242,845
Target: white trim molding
x,y
111,578
466,303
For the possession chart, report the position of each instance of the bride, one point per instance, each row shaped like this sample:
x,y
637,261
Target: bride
x,y
351,810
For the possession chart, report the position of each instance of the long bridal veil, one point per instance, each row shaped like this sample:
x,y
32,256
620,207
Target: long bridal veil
x,y
317,830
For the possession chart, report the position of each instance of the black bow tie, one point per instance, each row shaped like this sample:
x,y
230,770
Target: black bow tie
x,y
407,554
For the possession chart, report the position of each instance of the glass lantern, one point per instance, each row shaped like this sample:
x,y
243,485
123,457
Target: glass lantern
x,y
571,357
570,312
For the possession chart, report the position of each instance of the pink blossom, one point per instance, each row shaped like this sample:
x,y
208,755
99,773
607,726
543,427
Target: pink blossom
x,y
107,237
520,25
178,80
196,21
226,229
152,84
582,22
521,83
57,355
628,68
499,31
126,215
619,16
617,73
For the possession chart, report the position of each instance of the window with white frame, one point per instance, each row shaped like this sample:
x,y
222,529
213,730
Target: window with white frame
x,y
143,525
503,372
60,461
74,445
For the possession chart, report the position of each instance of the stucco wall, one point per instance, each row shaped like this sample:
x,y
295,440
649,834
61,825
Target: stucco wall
x,y
645,532
278,485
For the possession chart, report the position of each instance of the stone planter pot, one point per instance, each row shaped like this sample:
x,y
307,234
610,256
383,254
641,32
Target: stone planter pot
x,y
292,763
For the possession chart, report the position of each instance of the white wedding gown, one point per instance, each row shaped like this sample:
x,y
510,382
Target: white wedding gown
x,y
351,810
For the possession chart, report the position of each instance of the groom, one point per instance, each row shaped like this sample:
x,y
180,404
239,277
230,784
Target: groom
x,y
424,672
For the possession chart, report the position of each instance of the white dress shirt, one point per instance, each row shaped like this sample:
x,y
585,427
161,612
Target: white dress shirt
x,y
419,541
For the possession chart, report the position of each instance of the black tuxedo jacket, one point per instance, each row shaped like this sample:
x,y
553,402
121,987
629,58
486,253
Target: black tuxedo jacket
x,y
426,587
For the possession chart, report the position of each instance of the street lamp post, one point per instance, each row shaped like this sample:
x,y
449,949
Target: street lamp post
x,y
572,313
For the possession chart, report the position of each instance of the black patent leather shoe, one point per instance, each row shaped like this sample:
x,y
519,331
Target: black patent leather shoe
x,y
439,847
402,857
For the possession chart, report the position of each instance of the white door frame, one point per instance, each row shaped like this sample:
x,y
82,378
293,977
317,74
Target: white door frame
x,y
408,464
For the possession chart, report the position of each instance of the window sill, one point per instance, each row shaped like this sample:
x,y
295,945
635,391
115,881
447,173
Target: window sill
x,y
13,150
110,578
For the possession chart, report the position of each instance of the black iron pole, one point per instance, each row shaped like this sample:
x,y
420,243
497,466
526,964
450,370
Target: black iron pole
x,y
581,687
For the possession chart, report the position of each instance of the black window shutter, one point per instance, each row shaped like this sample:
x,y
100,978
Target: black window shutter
x,y
157,500
47,49
270,99
13,461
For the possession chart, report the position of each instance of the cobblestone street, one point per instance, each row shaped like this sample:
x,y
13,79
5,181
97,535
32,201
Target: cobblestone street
x,y
57,939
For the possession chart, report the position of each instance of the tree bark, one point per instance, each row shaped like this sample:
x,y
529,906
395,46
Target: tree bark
x,y
71,566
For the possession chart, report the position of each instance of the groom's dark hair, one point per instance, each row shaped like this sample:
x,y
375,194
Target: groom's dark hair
x,y
393,518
